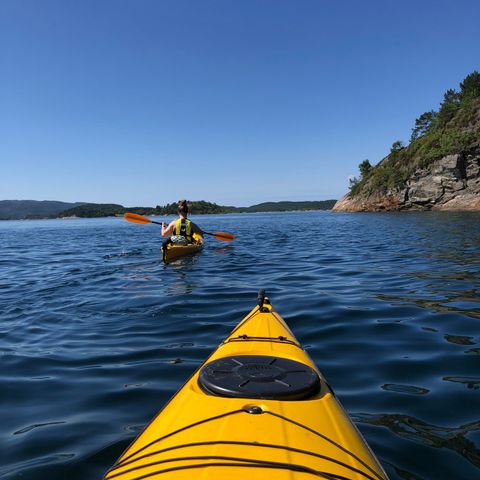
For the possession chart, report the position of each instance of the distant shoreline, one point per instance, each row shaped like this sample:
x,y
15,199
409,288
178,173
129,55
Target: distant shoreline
x,y
43,210
162,216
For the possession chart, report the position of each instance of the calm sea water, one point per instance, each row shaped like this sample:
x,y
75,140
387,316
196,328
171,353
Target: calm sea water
x,y
96,333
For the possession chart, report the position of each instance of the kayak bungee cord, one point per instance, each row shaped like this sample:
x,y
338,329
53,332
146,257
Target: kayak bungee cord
x,y
321,435
243,338
129,460
249,464
225,442
186,427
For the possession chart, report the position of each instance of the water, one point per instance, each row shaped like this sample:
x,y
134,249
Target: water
x,y
96,333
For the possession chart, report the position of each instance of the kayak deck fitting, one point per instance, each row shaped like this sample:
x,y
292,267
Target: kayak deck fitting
x,y
258,408
174,252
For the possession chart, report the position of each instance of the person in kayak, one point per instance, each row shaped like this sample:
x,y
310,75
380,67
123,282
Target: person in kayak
x,y
182,229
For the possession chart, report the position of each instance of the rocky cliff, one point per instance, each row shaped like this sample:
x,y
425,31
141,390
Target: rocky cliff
x,y
451,183
438,170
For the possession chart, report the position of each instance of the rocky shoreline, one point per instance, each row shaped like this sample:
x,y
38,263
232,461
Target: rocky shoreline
x,y
451,183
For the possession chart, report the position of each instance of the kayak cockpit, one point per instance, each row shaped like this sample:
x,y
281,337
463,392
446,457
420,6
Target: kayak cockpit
x,y
172,251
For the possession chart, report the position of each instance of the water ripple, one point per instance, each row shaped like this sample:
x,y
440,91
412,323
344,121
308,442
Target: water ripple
x,y
96,333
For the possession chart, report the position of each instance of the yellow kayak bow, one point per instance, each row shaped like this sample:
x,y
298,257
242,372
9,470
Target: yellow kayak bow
x,y
257,409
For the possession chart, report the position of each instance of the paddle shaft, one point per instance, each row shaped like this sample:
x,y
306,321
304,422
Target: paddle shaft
x,y
158,223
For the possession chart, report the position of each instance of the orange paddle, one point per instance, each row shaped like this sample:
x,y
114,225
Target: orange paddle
x,y
135,218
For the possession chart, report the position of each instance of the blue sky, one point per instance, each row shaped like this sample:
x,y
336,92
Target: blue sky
x,y
143,102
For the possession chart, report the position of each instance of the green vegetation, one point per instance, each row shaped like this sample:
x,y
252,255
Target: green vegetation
x,y
364,168
288,206
423,124
91,210
202,207
396,147
196,208
455,128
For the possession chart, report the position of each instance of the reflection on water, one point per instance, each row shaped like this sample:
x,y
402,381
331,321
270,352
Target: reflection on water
x,y
183,281
473,350
416,430
409,389
469,382
444,274
443,304
223,249
37,425
459,339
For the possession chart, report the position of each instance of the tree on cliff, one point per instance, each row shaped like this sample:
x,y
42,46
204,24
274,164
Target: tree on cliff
x,y
365,167
423,124
448,108
452,102
470,87
397,146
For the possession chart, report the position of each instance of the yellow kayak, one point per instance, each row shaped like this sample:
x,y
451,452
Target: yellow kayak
x,y
257,409
174,252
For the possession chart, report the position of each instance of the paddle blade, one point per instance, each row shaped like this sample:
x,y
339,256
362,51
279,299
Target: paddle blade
x,y
224,236
133,217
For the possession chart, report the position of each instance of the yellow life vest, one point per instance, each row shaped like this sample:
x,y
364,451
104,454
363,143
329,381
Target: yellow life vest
x,y
184,227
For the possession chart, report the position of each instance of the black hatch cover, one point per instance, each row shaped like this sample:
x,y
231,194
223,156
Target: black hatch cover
x,y
258,376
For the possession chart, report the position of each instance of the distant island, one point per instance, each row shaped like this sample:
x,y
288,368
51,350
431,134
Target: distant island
x,y
32,209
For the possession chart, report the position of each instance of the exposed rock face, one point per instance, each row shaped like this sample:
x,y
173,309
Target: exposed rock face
x,y
451,183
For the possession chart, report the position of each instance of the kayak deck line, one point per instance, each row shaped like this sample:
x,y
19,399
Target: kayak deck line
x,y
130,460
249,463
257,408
268,312
248,444
244,337
120,463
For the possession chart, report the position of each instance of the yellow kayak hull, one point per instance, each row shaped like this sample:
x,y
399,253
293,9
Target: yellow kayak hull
x,y
201,434
174,252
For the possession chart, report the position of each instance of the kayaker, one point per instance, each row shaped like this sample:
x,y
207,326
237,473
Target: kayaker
x,y
182,229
